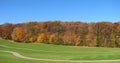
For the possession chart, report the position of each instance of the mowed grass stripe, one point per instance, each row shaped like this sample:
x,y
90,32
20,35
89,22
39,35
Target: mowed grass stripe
x,y
24,57
55,51
56,48
63,52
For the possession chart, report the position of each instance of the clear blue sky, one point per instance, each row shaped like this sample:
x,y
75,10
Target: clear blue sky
x,y
18,11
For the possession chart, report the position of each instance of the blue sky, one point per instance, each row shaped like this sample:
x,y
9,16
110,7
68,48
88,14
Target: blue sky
x,y
18,11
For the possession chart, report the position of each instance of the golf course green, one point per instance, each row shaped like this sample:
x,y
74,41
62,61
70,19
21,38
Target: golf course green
x,y
14,52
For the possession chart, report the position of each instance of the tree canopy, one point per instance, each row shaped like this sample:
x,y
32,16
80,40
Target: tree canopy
x,y
98,34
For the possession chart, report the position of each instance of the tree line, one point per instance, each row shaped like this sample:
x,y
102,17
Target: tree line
x,y
95,34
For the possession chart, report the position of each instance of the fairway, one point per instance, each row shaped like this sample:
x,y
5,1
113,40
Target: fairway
x,y
13,52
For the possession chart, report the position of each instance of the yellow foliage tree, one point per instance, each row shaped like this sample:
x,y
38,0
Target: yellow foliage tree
x,y
32,39
77,42
41,38
52,38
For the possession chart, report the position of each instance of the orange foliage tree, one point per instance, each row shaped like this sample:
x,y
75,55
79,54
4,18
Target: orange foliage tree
x,y
18,34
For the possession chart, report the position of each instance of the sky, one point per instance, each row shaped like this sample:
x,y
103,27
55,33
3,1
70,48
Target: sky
x,y
19,11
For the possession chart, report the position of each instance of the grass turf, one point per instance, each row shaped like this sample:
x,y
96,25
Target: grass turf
x,y
50,51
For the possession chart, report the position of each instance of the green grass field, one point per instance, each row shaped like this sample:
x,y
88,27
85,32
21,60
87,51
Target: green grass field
x,y
55,52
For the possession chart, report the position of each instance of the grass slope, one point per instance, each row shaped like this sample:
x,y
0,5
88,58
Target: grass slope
x,y
38,50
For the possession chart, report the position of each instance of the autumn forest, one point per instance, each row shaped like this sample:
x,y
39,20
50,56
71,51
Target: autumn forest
x,y
94,34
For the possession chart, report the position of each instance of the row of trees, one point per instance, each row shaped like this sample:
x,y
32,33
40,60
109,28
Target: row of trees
x,y
100,34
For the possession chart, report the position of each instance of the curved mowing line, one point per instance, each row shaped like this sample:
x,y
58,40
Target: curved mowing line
x,y
30,58
44,50
49,51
